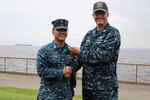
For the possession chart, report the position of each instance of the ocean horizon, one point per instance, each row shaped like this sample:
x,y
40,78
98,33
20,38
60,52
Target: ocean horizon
x,y
127,55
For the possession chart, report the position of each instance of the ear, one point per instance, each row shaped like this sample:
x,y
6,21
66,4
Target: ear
x,y
107,14
93,14
53,32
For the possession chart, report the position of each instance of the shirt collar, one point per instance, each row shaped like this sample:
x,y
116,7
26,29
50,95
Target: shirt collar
x,y
104,28
65,48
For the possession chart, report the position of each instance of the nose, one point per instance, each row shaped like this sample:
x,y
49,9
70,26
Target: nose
x,y
99,15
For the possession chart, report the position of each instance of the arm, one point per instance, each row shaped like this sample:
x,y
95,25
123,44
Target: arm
x,y
77,64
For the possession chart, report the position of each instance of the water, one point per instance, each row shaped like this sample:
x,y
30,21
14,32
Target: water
x,y
134,55
18,51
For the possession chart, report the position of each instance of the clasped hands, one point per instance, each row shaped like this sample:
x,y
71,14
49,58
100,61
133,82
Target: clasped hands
x,y
67,71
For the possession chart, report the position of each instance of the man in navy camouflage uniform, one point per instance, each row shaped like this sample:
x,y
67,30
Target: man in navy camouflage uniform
x,y
53,66
98,55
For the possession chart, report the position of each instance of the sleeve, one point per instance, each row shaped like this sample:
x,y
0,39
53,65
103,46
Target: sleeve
x,y
101,53
77,64
73,83
43,68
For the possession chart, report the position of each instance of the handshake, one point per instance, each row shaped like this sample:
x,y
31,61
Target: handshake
x,y
67,71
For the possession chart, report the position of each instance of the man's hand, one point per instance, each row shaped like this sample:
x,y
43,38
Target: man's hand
x,y
67,71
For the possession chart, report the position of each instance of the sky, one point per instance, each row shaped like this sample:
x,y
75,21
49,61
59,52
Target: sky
x,y
29,21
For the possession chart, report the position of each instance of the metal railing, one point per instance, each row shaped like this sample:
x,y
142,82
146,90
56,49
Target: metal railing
x,y
127,72
18,65
134,73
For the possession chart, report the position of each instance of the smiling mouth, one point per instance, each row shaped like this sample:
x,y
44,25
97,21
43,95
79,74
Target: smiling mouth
x,y
99,19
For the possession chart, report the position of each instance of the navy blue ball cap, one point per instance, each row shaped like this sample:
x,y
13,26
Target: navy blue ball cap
x,y
100,6
60,24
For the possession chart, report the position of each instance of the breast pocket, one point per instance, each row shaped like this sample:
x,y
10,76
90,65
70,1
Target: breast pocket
x,y
99,40
87,43
69,59
54,60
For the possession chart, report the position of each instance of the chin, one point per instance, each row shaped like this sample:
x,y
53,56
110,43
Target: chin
x,y
99,24
62,39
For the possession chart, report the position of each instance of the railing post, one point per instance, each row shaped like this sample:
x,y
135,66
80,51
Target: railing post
x,y
136,73
26,66
4,64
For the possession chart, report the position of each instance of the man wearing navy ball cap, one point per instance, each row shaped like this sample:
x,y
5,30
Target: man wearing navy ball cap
x,y
98,54
54,66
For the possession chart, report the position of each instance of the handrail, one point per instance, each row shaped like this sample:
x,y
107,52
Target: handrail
x,y
18,58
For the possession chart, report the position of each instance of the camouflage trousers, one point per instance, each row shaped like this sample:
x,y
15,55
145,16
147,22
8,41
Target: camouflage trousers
x,y
100,95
